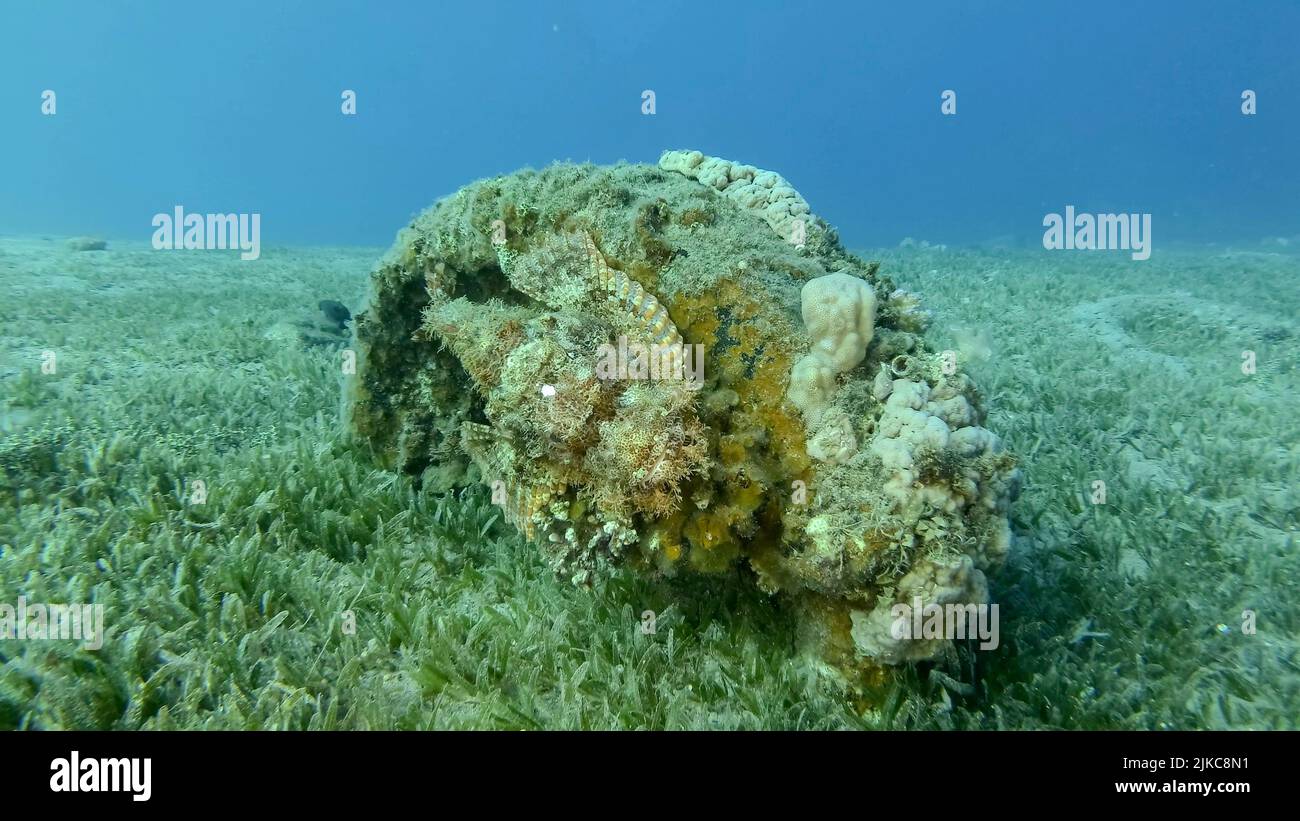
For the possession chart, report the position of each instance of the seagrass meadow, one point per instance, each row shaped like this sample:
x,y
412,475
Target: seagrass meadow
x,y
313,588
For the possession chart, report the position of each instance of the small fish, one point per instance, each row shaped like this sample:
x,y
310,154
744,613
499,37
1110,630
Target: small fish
x,y
335,311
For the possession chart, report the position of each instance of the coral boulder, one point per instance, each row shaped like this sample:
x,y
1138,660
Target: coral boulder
x,y
678,368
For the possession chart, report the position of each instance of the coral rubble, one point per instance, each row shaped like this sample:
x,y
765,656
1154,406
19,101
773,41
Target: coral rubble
x,y
823,444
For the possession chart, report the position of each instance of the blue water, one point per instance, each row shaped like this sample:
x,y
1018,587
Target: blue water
x,y
235,107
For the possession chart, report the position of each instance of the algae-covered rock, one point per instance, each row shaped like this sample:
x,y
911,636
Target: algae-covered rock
x,y
86,244
670,374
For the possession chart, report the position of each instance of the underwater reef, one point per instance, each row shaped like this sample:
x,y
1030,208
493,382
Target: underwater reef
x,y
680,369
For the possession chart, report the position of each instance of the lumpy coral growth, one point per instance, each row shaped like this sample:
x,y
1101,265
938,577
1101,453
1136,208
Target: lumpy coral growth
x,y
679,368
